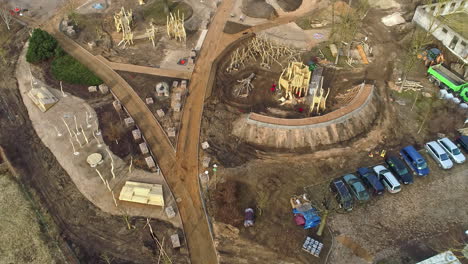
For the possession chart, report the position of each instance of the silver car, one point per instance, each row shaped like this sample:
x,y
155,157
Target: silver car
x,y
452,150
439,155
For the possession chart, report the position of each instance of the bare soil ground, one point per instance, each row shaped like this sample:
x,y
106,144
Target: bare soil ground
x,y
100,29
233,27
265,180
258,9
145,86
118,137
289,5
91,234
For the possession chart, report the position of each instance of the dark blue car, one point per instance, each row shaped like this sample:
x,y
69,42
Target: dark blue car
x,y
343,197
371,181
399,169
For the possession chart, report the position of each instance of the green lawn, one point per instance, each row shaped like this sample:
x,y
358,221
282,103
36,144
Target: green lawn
x,y
156,12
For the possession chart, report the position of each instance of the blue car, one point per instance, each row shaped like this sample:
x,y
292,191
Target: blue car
x,y
415,161
371,181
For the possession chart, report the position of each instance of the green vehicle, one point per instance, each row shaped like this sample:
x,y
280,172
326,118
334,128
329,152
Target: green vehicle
x,y
445,79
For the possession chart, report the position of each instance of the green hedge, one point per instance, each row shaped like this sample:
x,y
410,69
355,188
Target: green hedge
x,y
41,46
67,69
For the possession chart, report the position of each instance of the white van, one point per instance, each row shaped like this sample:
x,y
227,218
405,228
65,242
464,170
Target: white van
x,y
452,150
388,179
439,155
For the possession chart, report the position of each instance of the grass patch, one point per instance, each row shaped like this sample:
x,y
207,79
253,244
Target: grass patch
x,y
156,11
304,23
23,238
68,69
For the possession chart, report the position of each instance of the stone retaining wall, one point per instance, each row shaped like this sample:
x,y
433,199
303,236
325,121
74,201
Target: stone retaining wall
x,y
337,126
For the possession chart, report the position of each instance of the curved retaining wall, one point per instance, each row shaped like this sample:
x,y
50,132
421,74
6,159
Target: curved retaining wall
x,y
337,126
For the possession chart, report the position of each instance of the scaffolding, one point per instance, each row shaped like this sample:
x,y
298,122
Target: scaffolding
x,y
175,27
123,21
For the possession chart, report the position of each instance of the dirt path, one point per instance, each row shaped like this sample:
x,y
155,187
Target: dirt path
x,y
146,70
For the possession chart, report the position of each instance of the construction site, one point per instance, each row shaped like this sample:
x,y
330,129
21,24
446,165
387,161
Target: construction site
x,y
233,131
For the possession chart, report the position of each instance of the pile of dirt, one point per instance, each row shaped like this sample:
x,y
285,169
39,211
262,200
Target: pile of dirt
x,y
289,5
258,9
226,203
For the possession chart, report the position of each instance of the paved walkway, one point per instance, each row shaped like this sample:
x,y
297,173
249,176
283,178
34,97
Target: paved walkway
x,y
145,69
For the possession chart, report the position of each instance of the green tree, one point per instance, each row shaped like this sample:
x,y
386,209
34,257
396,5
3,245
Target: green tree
x,y
68,69
41,46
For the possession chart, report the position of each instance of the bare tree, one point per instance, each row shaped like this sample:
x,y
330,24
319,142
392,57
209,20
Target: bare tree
x,y
6,16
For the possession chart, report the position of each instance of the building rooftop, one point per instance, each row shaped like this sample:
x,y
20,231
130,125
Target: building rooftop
x,y
457,22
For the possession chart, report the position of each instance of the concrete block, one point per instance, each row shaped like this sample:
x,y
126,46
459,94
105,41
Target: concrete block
x,y
129,121
171,132
170,213
149,101
104,89
136,134
143,148
160,112
205,145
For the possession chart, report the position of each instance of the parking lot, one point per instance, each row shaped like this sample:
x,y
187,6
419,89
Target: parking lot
x,y
431,206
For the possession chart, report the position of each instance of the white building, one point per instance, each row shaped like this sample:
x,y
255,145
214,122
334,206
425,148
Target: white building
x,y
447,22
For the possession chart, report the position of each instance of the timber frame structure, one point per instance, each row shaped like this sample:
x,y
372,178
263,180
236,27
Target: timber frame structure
x,y
123,21
175,27
261,48
295,79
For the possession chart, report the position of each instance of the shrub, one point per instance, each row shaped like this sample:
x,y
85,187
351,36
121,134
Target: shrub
x,y
41,46
67,69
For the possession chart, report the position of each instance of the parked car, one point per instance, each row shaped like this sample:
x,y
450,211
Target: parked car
x,y
439,155
452,150
371,181
399,169
357,187
462,142
415,161
343,196
387,178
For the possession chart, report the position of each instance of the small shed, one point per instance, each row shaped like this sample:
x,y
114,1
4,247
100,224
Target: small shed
x,y
42,98
144,193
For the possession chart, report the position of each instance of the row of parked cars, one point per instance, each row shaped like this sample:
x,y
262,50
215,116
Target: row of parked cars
x,y
373,181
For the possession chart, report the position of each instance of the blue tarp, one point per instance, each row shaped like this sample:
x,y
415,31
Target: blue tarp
x,y
98,6
311,217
